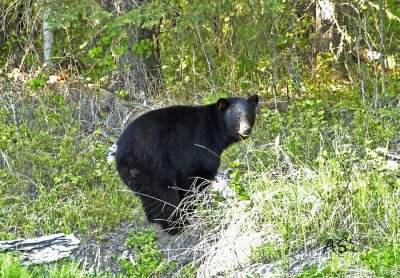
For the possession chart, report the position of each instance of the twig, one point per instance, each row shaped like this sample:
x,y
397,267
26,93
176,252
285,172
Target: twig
x,y
5,159
358,57
15,118
373,64
274,72
207,150
205,55
381,46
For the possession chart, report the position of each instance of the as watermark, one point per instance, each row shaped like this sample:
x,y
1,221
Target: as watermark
x,y
341,245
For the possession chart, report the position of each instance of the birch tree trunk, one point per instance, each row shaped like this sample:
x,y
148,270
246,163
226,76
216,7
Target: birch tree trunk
x,y
381,45
47,36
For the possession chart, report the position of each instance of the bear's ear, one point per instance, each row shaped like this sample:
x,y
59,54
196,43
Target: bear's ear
x,y
253,100
222,104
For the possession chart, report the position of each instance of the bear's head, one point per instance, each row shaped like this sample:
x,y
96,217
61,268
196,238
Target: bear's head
x,y
238,115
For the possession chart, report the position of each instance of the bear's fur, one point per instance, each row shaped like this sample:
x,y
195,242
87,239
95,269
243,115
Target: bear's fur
x,y
164,152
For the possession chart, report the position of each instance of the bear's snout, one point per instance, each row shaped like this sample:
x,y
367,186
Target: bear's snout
x,y
244,130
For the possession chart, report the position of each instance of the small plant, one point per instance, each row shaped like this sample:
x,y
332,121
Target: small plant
x,y
236,181
383,261
38,82
212,98
147,259
10,267
122,94
188,271
266,253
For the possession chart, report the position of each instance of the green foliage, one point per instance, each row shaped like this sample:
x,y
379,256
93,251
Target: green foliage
x,y
312,127
231,35
314,173
35,84
122,94
236,180
332,269
147,255
188,271
235,45
379,261
144,47
63,269
383,260
213,98
319,172
57,178
238,45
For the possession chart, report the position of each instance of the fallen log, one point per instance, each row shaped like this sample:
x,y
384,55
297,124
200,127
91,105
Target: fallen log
x,y
42,249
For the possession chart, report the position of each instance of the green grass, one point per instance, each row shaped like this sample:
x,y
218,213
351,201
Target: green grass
x,y
10,267
54,177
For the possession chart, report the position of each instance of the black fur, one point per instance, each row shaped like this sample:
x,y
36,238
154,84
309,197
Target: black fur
x,y
161,153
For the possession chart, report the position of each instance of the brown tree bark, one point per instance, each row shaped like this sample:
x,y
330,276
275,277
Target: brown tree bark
x,y
139,75
330,26
332,35
325,15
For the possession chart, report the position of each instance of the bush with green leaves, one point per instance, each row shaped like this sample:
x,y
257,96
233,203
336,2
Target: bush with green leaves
x,y
147,260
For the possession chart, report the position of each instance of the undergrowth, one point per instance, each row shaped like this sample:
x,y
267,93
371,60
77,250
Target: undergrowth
x,y
53,176
148,260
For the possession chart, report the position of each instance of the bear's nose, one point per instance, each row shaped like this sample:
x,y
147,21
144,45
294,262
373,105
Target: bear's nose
x,y
247,131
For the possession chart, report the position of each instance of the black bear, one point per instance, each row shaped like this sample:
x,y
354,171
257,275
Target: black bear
x,y
164,152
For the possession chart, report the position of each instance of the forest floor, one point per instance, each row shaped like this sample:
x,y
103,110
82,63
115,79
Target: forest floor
x,y
314,192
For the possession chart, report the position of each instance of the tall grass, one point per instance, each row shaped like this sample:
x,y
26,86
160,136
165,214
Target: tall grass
x,y
54,177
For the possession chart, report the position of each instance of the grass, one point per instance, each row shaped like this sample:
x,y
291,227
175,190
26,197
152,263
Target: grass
x,y
53,174
54,178
10,267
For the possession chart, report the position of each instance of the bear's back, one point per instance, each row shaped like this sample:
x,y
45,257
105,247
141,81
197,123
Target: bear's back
x,y
166,125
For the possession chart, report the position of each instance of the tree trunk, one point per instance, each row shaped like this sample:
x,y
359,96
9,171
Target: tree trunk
x,y
325,18
381,45
331,32
139,75
47,36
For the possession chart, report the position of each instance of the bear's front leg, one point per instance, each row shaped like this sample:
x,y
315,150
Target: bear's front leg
x,y
161,202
